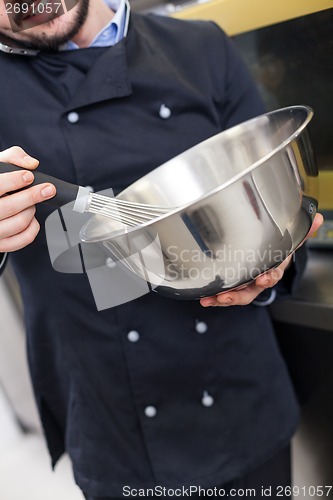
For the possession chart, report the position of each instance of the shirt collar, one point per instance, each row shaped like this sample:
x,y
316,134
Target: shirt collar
x,y
114,31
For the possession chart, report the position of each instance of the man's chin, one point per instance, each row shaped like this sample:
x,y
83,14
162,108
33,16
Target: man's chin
x,y
48,36
44,21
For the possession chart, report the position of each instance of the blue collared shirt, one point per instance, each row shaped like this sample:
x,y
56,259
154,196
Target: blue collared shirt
x,y
114,31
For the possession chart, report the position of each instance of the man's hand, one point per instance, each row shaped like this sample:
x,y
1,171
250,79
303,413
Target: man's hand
x,y
246,295
18,226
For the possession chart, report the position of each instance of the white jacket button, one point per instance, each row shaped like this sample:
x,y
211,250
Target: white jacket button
x,y
150,411
110,263
207,399
201,327
165,112
133,336
73,117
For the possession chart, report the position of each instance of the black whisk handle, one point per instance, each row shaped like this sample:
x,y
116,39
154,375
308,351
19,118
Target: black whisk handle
x,y
66,192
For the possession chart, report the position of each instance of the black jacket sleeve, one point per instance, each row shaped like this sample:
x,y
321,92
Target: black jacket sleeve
x,y
236,93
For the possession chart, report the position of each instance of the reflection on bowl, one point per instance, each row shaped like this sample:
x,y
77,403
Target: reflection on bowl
x,y
246,199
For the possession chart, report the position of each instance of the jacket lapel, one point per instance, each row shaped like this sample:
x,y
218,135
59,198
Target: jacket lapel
x,y
107,79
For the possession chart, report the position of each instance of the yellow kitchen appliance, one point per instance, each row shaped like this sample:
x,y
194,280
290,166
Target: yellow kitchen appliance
x,y
240,16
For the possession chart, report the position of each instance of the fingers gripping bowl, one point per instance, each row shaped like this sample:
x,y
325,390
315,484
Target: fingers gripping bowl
x,y
245,199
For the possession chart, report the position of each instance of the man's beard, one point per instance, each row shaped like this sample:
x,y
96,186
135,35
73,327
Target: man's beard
x,y
49,42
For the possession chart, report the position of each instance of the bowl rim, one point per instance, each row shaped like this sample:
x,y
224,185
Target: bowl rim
x,y
309,113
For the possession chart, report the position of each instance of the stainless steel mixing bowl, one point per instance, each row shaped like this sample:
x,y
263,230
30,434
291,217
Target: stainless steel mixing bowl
x,y
246,199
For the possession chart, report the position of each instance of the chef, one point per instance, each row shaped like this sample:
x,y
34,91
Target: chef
x,y
155,392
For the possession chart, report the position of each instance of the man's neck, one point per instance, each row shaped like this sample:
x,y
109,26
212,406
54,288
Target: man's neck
x,y
99,15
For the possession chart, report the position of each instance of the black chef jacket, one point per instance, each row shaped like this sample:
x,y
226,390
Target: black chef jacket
x,y
92,382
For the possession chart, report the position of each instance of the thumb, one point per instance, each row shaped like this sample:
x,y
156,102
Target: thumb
x,y
19,157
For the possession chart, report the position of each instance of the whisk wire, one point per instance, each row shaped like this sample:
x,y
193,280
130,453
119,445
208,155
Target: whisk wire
x,y
127,212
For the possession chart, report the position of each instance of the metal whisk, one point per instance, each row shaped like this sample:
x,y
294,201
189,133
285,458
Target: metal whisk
x,y
127,212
